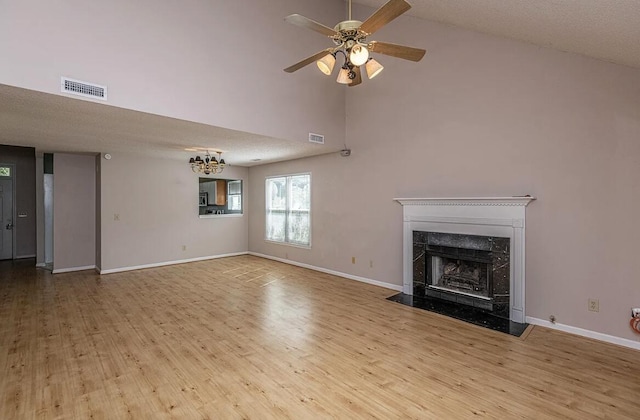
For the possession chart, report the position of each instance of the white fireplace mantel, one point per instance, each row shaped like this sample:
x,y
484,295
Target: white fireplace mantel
x,y
467,201
484,216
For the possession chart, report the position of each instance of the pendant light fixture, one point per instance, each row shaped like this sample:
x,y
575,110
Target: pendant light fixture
x,y
209,165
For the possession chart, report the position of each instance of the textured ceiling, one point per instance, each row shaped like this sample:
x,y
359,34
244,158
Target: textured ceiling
x,y
604,29
53,123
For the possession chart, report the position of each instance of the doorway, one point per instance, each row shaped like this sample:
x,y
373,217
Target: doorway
x,y
7,211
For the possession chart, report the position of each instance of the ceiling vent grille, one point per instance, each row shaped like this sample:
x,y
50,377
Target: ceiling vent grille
x,y
88,90
316,138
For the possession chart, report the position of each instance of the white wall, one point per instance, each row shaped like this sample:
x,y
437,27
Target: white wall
x,y
213,62
156,202
484,116
74,201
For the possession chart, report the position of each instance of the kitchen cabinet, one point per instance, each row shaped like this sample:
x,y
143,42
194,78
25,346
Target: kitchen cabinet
x,y
221,193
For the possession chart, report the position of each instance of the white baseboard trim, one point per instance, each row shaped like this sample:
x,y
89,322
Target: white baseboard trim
x,y
22,257
162,264
585,333
41,265
396,287
70,269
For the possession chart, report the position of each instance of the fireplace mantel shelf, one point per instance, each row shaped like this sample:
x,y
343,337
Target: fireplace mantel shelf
x,y
466,201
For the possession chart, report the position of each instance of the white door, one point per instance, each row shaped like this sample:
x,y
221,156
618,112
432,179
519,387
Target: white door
x,y
6,216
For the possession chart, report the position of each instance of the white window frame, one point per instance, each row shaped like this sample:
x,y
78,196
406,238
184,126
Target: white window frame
x,y
230,195
266,210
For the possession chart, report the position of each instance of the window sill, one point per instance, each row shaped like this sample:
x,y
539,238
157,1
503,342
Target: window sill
x,y
216,216
288,244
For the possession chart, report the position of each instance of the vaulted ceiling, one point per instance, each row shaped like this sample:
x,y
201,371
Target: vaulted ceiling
x,y
603,29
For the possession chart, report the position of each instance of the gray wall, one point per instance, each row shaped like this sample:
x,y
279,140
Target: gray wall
x,y
24,159
213,62
74,211
484,116
156,204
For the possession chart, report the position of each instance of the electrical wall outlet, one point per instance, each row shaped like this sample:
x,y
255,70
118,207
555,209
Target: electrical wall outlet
x,y
184,247
594,305
353,260
370,263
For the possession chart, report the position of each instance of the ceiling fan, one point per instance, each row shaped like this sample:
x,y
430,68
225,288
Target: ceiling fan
x,y
350,38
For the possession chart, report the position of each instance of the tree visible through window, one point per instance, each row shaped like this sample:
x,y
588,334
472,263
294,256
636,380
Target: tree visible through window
x,y
5,171
288,209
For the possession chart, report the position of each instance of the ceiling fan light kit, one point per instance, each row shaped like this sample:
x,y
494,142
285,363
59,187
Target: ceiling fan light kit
x,y
349,36
373,68
343,76
326,63
359,55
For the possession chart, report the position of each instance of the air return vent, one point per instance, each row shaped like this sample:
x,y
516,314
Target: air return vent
x,y
316,138
88,90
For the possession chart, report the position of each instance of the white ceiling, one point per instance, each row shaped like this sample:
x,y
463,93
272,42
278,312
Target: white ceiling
x,y
604,29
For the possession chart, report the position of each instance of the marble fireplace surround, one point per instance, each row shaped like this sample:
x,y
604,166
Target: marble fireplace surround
x,y
483,216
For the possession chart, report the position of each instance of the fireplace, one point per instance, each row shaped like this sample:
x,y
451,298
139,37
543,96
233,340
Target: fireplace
x,y
466,269
469,251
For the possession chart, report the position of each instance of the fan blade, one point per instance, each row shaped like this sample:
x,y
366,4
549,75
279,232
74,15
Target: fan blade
x,y
305,22
389,11
308,60
395,50
358,79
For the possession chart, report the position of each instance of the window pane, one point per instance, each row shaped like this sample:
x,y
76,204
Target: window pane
x,y
276,223
235,202
5,171
235,187
300,192
277,193
298,228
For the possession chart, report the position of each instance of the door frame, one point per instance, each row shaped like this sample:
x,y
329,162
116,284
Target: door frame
x,y
14,214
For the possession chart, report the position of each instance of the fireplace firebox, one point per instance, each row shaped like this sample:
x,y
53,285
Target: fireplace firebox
x,y
465,269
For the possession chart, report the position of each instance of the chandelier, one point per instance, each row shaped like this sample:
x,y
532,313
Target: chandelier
x,y
210,165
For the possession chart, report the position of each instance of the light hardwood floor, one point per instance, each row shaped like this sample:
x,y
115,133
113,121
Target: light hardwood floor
x,y
246,337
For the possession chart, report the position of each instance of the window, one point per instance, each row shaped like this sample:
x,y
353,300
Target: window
x,y
288,209
5,171
234,195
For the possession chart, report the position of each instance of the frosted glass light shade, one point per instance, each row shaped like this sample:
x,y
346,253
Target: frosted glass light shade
x,y
359,55
343,76
326,63
373,68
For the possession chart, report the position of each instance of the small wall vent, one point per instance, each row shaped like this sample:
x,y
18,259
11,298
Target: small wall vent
x,y
88,90
316,138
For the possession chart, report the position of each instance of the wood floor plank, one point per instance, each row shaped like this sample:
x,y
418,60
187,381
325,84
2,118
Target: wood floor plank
x,y
244,337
